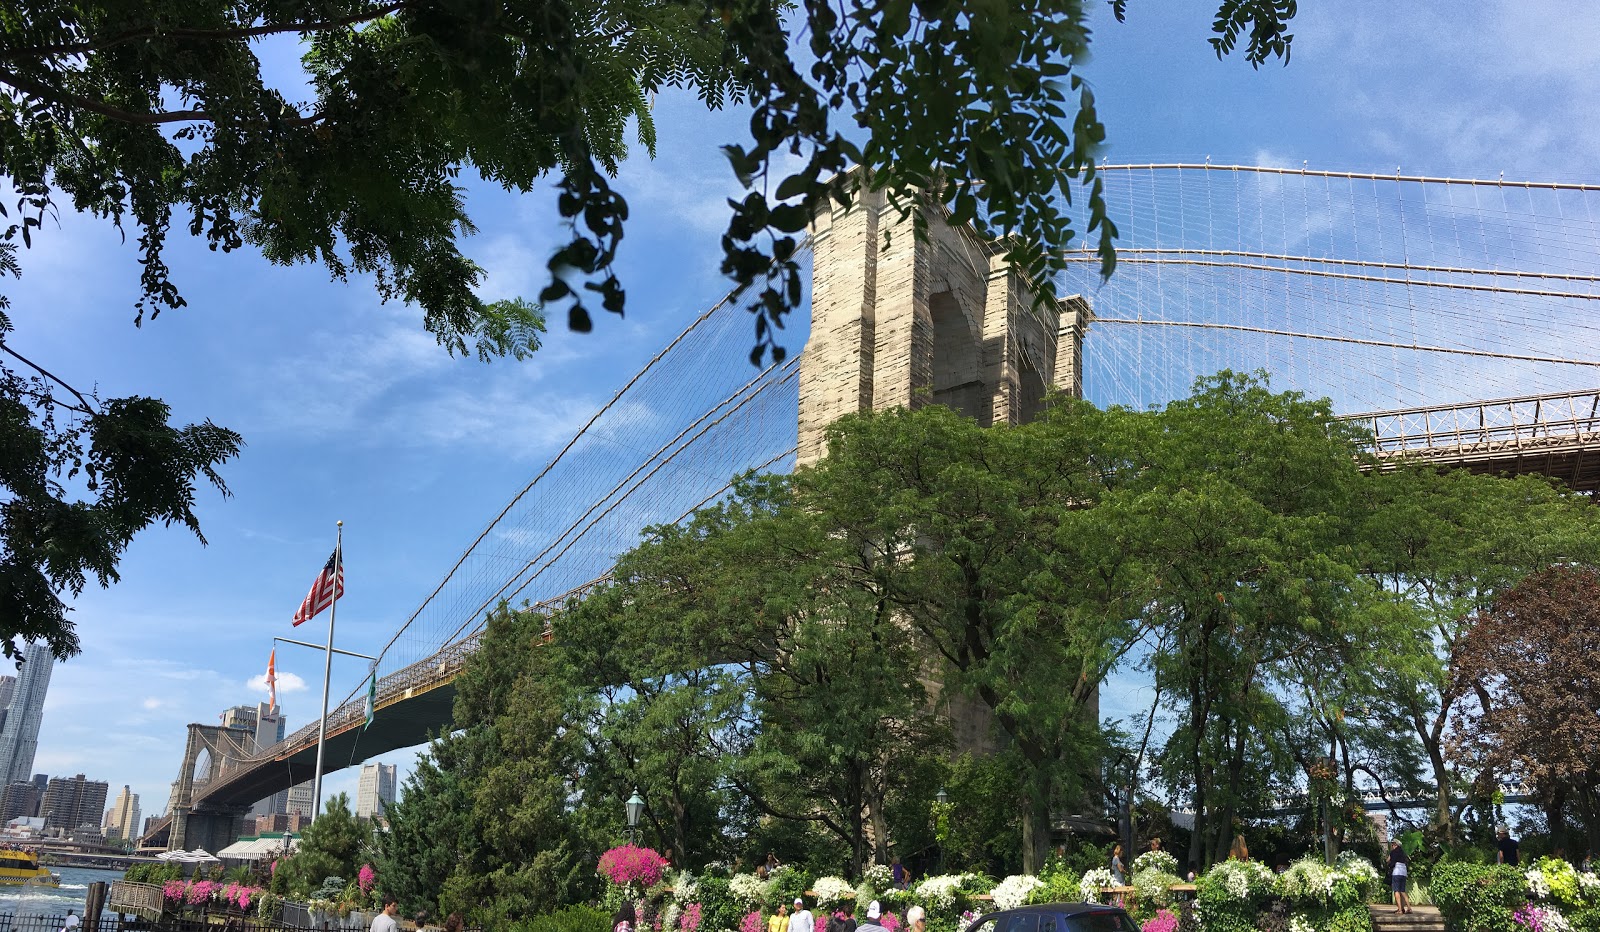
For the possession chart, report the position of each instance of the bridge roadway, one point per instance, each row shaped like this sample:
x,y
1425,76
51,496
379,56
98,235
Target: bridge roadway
x,y
413,705
1553,435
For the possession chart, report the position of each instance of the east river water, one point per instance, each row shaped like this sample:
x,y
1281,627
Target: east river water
x,y
52,901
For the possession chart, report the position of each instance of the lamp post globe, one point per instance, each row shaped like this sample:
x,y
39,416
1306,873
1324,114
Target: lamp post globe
x,y
635,806
941,797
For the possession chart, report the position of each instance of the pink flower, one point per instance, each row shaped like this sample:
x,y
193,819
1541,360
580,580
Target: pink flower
x,y
751,923
690,920
889,921
1165,921
366,877
173,890
632,864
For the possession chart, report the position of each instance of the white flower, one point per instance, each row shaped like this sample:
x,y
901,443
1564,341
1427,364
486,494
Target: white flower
x,y
1536,883
1089,886
1152,887
685,890
878,876
669,916
832,891
748,889
1014,890
1299,923
1240,878
1551,920
1589,883
1155,861
938,894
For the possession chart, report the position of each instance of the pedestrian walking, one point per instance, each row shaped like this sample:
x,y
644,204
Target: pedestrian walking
x,y
1399,874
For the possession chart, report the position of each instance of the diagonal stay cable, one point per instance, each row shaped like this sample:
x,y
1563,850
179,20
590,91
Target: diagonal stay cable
x,y
724,302
702,432
662,450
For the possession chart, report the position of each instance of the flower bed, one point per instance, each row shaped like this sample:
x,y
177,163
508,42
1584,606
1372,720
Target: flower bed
x,y
1548,896
1232,897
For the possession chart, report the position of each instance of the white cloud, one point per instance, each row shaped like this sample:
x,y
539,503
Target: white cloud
x,y
287,683
151,703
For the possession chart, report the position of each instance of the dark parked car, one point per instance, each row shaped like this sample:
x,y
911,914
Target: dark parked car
x,y
1057,917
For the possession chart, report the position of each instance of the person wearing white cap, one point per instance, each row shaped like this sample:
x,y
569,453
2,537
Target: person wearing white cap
x,y
801,919
871,925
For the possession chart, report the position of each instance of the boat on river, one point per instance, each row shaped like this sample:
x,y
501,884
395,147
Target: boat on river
x,y
21,869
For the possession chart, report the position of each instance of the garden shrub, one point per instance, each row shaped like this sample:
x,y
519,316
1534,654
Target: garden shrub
x,y
1231,895
570,919
719,908
1586,919
784,885
1478,897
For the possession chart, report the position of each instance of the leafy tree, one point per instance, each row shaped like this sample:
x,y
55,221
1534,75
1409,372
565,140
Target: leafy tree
x,y
1240,523
145,111
81,476
331,846
1533,654
1444,545
429,829
993,548
521,847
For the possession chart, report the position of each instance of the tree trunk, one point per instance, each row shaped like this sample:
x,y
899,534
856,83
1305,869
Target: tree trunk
x,y
1035,833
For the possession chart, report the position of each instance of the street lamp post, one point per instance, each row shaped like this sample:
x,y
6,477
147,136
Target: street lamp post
x,y
942,798
635,806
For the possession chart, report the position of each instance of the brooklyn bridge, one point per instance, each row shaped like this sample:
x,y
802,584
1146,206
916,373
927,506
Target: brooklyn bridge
x,y
1451,318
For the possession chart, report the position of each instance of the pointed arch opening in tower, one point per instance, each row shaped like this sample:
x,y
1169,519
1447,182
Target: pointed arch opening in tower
x,y
957,348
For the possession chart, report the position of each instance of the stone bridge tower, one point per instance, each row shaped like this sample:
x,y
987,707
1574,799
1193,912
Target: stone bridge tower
x,y
900,322
204,755
897,321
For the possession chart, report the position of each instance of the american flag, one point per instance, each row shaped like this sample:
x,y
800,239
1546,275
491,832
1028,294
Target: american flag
x,y
329,586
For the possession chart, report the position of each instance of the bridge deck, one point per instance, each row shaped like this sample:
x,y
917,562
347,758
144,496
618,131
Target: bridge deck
x,y
1555,435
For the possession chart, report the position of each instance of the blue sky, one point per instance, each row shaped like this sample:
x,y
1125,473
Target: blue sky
x,y
351,412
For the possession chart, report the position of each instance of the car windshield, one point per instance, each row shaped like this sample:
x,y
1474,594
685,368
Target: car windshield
x,y
1108,921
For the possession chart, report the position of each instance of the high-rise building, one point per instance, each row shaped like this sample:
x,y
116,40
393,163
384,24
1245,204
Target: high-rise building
x,y
266,726
300,801
375,790
20,800
123,820
8,688
19,737
73,801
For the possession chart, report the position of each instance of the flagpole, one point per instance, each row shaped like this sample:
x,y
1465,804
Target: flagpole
x,y
327,673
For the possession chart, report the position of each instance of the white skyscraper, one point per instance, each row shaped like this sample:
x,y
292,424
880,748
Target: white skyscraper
x,y
19,737
124,816
375,790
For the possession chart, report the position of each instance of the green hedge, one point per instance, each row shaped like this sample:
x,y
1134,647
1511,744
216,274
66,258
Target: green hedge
x,y
1477,897
571,919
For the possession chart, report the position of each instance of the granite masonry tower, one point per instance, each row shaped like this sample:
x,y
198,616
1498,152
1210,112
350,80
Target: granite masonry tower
x,y
942,320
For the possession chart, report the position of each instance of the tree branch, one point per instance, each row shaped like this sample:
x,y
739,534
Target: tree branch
x,y
58,95
199,35
84,406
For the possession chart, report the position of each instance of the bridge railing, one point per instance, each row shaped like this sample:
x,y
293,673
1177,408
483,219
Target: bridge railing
x,y
1481,427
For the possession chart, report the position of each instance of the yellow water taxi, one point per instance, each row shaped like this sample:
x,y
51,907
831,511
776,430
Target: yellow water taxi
x,y
21,868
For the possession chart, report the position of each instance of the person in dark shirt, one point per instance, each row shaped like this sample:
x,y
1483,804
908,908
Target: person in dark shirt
x,y
1399,871
1506,845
